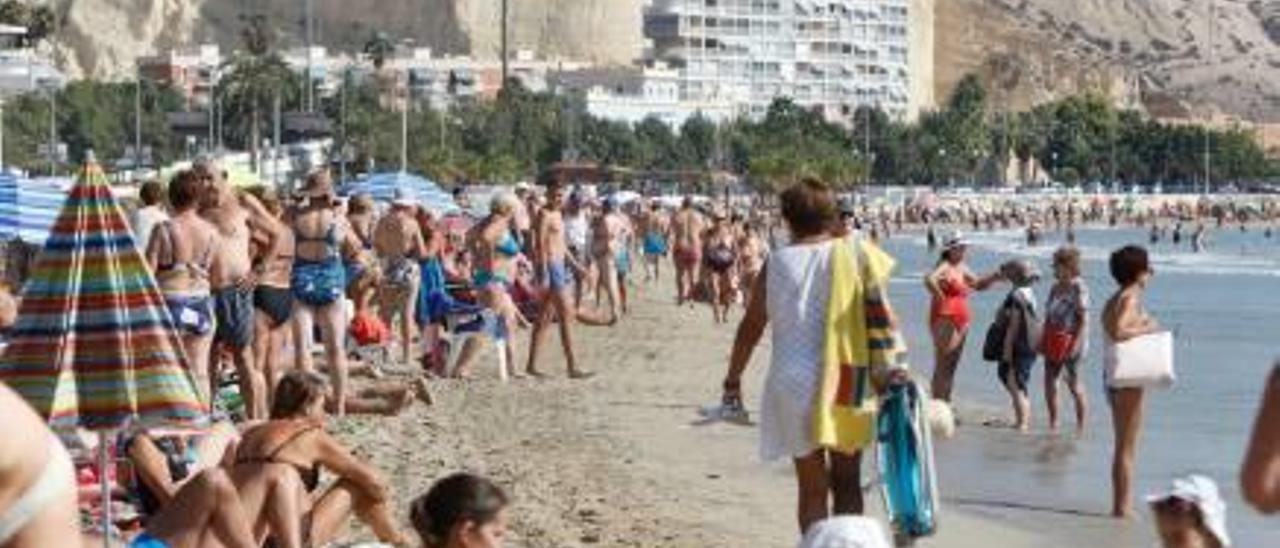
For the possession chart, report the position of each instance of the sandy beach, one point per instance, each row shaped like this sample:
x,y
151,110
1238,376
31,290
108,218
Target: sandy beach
x,y
622,460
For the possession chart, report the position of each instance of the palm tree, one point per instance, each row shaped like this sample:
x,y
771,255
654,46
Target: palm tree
x,y
254,78
379,48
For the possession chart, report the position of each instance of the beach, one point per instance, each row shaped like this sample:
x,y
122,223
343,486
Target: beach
x,y
624,459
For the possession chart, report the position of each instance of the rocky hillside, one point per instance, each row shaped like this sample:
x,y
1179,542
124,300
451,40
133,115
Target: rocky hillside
x,y
1153,50
1031,50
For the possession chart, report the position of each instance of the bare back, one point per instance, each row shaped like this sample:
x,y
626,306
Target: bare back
x,y
686,229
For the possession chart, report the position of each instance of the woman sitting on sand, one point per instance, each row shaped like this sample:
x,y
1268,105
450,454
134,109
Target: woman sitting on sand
x,y
950,284
793,293
461,511
296,438
1123,319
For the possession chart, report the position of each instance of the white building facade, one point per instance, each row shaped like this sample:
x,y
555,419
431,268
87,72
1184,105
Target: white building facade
x,y
634,94
829,55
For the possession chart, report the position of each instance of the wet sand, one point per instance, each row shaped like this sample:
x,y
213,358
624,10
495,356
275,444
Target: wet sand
x,y
622,460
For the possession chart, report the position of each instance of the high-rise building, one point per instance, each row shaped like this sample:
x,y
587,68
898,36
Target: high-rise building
x,y
829,55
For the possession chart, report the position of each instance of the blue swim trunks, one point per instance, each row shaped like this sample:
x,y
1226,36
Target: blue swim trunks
x,y
147,541
558,276
654,244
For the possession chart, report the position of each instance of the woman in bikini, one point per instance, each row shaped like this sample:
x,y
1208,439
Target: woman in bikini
x,y
950,285
494,250
181,254
720,255
319,280
295,439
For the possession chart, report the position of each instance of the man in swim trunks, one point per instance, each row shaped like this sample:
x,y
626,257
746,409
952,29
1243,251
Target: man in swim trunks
x,y
399,243
553,263
686,235
237,217
656,227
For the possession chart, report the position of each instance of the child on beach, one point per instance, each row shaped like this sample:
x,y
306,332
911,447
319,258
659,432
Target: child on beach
x,y
1065,334
461,511
1022,330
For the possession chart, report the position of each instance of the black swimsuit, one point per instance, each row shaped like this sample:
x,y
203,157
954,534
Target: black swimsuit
x,y
310,476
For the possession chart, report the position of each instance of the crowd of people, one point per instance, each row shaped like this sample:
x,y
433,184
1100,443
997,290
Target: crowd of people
x,y
253,281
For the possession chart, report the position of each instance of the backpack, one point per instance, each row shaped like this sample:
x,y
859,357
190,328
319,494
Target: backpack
x,y
993,345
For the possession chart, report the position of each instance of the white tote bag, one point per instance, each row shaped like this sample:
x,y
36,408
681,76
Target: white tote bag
x,y
1140,362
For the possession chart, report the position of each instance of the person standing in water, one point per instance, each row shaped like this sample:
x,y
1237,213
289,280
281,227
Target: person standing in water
x,y
1065,335
1021,338
950,284
1124,318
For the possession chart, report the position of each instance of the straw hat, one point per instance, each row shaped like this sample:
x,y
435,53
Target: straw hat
x,y
1202,492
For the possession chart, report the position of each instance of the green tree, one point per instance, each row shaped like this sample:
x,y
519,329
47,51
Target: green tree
x,y
255,78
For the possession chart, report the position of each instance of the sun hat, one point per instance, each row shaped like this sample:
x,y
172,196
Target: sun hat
x,y
954,240
1203,492
845,532
404,197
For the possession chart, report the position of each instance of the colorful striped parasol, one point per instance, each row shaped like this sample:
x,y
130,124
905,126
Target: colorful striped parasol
x,y
94,345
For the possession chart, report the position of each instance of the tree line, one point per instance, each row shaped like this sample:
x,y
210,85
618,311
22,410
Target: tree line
x,y
1082,138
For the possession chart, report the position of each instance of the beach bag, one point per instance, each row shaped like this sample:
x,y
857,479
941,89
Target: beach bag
x,y
1057,345
904,457
368,329
993,344
1140,362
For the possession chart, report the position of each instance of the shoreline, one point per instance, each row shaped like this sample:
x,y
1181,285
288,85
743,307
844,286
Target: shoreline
x,y
621,459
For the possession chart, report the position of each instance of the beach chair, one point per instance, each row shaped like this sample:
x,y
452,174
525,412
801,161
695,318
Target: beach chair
x,y
904,458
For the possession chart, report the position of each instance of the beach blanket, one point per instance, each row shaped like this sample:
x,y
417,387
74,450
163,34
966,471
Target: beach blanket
x,y
859,338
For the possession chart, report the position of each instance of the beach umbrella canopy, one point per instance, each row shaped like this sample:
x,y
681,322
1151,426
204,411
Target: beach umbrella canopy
x,y
93,345
28,207
382,188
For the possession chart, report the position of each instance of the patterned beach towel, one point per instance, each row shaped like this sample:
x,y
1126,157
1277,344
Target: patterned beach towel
x,y
859,337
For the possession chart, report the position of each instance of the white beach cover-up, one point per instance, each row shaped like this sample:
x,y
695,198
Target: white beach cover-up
x,y
799,286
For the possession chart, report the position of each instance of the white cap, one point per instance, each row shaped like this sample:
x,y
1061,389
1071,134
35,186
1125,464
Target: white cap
x,y
954,240
1203,492
845,532
404,197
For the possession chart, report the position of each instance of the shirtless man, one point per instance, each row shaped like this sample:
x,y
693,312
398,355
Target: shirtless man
x,y
552,262
398,240
686,235
237,218
656,228
181,253
608,237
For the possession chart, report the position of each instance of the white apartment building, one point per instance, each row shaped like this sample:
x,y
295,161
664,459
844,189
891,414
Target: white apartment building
x,y
633,94
829,55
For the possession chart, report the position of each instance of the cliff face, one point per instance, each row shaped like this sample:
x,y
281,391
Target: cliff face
x,y
101,38
1029,50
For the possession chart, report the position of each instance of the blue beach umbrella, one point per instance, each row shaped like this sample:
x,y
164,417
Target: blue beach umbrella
x,y
29,207
382,188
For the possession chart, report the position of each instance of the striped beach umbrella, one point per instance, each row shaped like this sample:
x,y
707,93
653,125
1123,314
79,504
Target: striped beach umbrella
x,y
28,207
93,345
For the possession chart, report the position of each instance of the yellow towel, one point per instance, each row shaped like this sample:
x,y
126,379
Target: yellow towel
x,y
858,336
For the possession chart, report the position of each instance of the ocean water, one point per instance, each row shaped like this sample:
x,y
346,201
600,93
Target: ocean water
x,y
1223,305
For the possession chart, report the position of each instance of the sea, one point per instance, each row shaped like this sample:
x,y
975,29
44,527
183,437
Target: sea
x,y
1223,305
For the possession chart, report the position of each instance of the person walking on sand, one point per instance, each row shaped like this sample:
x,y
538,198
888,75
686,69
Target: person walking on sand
x,y
1065,335
181,255
686,236
495,250
794,298
398,240
656,228
555,267
752,254
238,217
1123,319
1021,338
950,284
608,249
720,255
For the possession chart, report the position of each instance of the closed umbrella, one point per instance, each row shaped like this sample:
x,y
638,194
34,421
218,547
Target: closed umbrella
x,y
93,345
